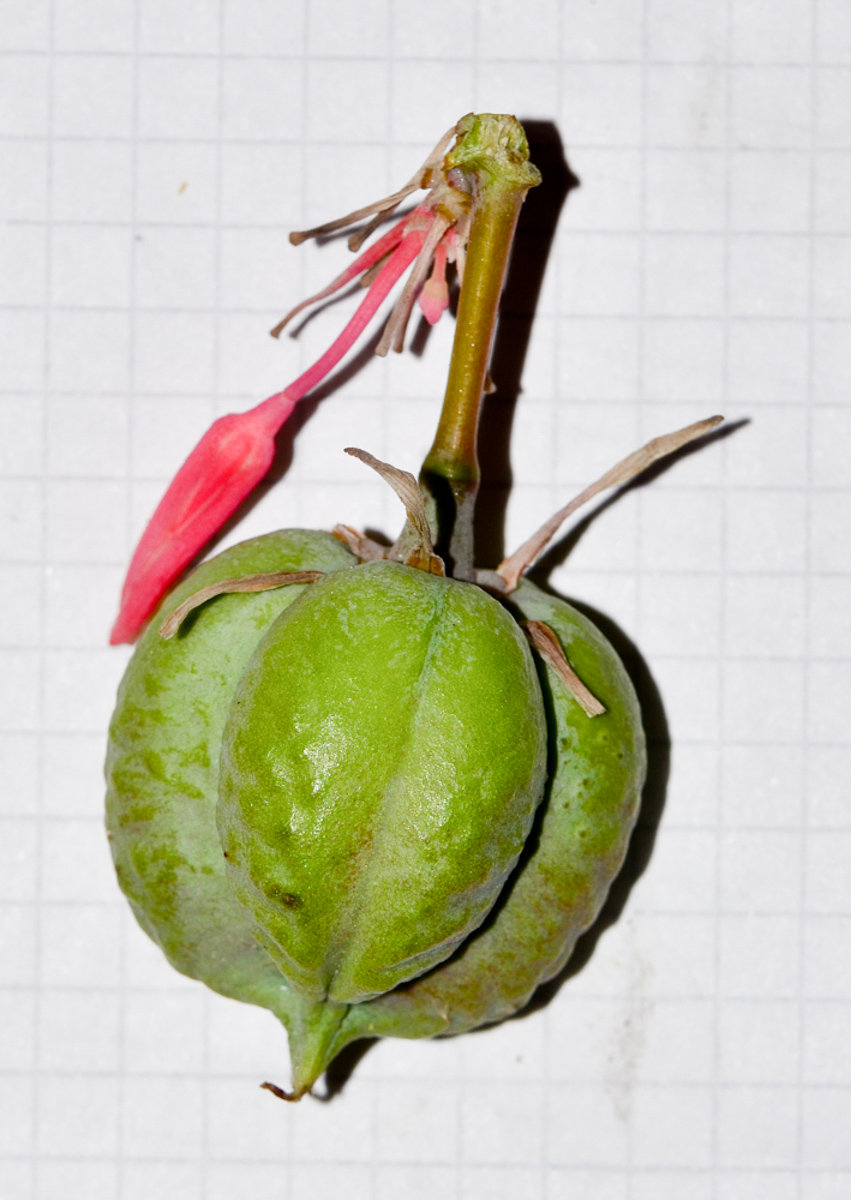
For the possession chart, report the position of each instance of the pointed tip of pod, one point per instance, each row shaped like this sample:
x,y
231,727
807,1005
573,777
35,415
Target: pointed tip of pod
x,y
316,1038
292,1097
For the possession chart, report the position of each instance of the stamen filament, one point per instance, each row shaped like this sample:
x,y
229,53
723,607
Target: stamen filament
x,y
358,238
394,332
368,259
399,261
382,207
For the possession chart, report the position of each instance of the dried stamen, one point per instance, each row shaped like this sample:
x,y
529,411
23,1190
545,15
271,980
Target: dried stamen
x,y
370,259
368,278
462,237
358,238
394,330
381,208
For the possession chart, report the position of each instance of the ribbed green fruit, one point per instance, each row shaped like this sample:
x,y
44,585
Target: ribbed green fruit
x,y
242,673
382,762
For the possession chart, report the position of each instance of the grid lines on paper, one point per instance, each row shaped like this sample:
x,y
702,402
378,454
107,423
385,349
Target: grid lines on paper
x,y
700,266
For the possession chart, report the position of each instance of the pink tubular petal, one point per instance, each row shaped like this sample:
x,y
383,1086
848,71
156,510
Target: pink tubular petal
x,y
229,461
396,265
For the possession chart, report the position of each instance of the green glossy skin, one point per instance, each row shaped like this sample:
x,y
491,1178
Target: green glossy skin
x,y
597,771
381,766
163,763
162,774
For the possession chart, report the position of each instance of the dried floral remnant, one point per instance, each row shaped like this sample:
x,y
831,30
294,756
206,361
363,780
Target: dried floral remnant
x,y
237,451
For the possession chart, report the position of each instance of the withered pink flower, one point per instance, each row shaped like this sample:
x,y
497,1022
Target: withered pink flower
x,y
237,450
229,461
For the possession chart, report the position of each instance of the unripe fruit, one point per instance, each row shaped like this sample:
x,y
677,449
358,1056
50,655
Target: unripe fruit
x,y
383,758
357,799
181,700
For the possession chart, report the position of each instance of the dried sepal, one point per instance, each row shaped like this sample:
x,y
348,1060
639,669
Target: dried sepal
x,y
292,1097
248,583
621,473
361,546
549,648
421,554
490,581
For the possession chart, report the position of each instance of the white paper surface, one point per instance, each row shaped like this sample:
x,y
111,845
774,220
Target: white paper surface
x,y
153,156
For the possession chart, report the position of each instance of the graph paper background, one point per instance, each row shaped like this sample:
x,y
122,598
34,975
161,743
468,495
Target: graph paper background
x,y
153,156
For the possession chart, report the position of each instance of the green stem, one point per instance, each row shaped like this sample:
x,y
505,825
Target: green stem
x,y
492,159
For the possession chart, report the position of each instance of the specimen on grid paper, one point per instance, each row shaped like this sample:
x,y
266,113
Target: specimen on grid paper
x,y
373,787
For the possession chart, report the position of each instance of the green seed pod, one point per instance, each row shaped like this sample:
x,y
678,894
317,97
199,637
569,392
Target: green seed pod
x,y
357,799
383,759
162,768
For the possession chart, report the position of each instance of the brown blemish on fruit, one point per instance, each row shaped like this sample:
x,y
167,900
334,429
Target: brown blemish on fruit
x,y
276,892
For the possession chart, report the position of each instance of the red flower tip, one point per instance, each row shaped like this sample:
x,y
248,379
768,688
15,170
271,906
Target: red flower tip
x,y
229,461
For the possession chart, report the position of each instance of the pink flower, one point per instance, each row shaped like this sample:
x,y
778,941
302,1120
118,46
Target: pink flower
x,y
237,450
